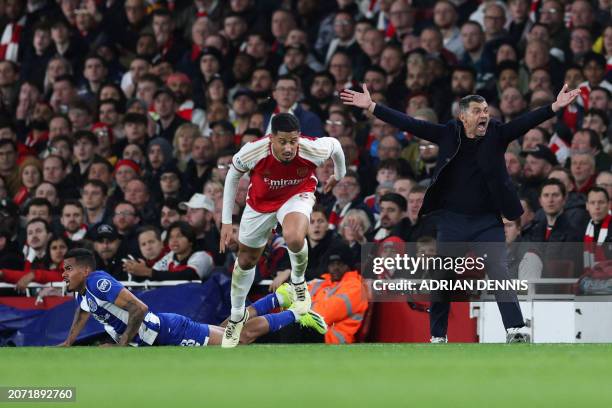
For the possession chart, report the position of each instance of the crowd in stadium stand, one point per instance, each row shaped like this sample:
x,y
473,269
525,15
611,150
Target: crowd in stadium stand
x,y
119,119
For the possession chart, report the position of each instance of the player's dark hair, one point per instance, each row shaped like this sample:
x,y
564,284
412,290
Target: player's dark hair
x,y
598,190
285,122
82,257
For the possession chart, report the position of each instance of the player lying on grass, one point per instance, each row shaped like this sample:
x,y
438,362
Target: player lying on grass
x,y
129,322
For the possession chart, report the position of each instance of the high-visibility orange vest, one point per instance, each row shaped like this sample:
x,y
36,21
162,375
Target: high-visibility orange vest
x,y
342,304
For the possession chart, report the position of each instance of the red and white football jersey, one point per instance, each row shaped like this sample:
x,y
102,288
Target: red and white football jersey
x,y
273,182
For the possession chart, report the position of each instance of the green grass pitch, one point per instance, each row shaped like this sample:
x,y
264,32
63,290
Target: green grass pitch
x,y
318,376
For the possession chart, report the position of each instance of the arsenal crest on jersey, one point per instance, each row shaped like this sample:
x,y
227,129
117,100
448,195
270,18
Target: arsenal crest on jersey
x,y
302,171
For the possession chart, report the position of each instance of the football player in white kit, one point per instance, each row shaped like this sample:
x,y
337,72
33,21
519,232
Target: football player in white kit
x,y
282,185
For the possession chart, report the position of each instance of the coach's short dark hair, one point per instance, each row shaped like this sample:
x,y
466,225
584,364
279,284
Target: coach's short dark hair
x,y
285,122
464,103
397,199
82,257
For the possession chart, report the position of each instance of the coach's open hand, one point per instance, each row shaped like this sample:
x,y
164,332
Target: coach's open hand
x,y
331,182
226,235
564,98
361,100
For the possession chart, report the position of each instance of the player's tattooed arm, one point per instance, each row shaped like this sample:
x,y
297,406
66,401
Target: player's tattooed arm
x,y
136,314
79,321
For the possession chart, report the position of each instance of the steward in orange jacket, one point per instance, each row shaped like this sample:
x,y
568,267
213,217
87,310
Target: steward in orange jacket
x,y
340,296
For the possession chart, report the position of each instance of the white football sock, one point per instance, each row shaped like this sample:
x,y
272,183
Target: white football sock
x,y
299,262
241,284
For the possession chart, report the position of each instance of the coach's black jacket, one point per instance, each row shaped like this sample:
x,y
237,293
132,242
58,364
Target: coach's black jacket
x,y
490,153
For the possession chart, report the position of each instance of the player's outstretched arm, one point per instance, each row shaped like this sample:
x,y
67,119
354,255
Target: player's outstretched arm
x,y
136,314
420,128
78,323
229,197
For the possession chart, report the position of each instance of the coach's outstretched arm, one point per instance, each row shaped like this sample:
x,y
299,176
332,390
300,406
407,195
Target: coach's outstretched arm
x,y
229,197
79,321
521,125
420,128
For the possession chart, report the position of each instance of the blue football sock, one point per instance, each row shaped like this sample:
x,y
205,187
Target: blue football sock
x,y
266,304
279,320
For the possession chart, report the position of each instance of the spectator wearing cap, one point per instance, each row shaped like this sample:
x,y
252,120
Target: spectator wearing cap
x,y
244,105
287,91
125,221
165,104
393,208
538,164
107,243
200,216
125,170
180,84
85,143
339,296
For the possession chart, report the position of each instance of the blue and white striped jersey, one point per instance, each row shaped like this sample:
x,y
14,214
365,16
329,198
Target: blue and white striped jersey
x,y
101,291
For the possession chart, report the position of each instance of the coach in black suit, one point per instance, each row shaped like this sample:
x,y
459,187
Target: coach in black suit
x,y
470,188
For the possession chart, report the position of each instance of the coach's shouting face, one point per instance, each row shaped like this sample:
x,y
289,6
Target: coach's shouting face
x,y
475,119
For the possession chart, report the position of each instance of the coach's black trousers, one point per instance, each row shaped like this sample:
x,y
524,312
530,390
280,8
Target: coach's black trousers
x,y
485,233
